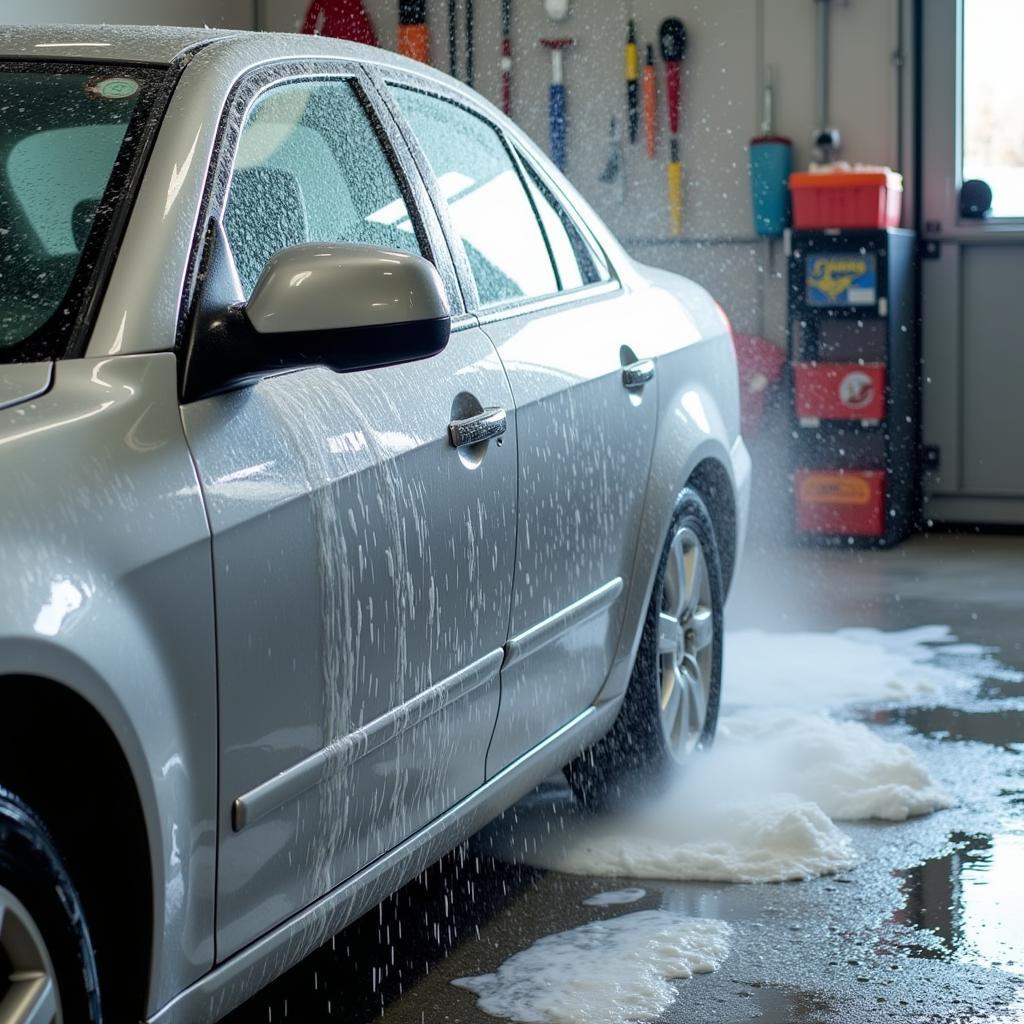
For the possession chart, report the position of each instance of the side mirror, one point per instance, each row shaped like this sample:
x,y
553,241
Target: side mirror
x,y
346,307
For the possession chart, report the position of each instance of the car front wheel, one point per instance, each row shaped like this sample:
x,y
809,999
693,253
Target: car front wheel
x,y
47,968
671,705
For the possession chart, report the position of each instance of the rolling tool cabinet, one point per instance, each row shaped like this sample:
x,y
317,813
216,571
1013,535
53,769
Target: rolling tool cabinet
x,y
854,383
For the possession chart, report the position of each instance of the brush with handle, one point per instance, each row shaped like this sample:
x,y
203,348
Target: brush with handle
x,y
673,50
650,104
413,34
557,110
632,96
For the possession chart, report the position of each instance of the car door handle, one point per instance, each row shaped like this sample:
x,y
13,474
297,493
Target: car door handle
x,y
476,429
637,374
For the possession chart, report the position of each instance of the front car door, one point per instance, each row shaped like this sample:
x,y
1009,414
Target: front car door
x,y
362,564
586,403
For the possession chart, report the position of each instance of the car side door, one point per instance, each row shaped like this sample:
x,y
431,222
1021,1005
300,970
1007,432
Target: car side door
x,y
362,562
573,347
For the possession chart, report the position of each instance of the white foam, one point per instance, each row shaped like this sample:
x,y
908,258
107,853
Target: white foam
x,y
605,972
850,666
687,835
845,768
615,898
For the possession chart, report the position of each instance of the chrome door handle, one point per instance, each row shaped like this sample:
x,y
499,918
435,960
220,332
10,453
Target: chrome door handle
x,y
637,374
475,429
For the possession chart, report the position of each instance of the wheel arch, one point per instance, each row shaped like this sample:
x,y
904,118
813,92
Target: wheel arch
x,y
712,481
65,761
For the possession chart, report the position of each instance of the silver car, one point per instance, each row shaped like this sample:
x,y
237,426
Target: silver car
x,y
354,480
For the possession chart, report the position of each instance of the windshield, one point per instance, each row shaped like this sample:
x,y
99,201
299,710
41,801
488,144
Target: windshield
x,y
68,138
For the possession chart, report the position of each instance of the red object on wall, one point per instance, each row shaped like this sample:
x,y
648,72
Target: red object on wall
x,y
760,363
871,199
341,19
839,391
841,502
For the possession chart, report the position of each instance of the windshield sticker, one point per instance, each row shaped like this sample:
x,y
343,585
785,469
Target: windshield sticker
x,y
113,88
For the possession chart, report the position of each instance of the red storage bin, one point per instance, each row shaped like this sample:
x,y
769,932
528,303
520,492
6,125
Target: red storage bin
x,y
839,391
843,502
841,199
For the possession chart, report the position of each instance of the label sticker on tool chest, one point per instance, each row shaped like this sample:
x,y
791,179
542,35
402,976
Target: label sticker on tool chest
x,y
833,489
842,279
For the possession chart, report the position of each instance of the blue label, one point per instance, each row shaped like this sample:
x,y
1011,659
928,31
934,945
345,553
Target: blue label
x,y
842,279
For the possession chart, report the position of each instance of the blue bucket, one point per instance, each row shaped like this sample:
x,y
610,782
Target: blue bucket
x,y
771,158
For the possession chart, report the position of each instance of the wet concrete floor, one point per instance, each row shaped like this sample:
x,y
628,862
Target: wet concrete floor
x,y
929,926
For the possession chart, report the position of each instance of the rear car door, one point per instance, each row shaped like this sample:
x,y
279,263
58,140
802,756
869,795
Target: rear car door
x,y
586,405
362,564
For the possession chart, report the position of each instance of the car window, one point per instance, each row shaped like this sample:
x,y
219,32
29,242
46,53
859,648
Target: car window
x,y
487,201
310,168
579,262
68,136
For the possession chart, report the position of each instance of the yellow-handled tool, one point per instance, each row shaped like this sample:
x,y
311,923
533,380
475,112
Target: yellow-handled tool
x,y
673,50
675,189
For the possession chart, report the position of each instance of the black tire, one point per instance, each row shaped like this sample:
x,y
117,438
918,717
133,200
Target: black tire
x,y
31,871
637,753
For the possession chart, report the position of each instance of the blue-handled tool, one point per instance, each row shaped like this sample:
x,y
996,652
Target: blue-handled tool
x,y
558,114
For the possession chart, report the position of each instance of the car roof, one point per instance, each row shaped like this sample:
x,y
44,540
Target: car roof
x,y
143,44
153,44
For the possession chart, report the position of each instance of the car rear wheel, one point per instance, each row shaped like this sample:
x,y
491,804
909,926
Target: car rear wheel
x,y
47,968
670,710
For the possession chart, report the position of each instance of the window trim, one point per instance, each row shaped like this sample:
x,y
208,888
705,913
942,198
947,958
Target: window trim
x,y
555,196
388,79
245,93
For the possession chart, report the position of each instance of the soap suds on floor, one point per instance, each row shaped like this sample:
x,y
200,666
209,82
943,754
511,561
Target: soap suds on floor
x,y
844,767
615,898
761,806
851,666
684,836
604,972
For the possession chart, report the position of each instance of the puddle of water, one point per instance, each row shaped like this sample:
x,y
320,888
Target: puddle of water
x,y
968,904
1002,728
614,898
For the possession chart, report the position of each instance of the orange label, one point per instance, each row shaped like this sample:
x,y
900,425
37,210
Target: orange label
x,y
834,489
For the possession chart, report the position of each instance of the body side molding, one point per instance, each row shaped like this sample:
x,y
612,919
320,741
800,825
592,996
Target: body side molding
x,y
530,641
346,750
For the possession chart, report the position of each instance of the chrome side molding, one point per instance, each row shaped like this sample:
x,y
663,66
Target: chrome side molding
x,y
536,637
345,751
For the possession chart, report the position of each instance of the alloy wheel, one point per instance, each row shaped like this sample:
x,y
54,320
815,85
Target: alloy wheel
x,y
28,984
686,633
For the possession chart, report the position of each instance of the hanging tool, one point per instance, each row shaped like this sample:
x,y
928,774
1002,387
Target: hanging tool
x,y
632,97
827,140
673,49
340,19
650,103
557,109
506,57
453,39
413,34
470,51
770,164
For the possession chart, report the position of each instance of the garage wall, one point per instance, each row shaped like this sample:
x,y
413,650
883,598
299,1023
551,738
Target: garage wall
x,y
730,42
